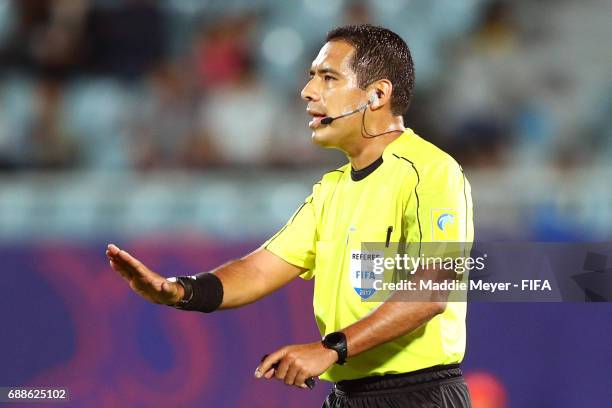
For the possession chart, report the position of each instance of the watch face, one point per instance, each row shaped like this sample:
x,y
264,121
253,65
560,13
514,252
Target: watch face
x,y
334,338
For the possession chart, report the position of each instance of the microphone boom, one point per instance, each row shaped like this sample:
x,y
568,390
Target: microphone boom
x,y
329,119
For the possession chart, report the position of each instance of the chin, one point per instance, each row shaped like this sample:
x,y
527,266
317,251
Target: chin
x,y
322,138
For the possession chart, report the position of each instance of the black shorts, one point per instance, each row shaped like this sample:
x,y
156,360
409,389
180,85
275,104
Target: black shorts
x,y
434,387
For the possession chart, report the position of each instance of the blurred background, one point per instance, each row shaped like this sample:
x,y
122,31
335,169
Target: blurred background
x,y
175,128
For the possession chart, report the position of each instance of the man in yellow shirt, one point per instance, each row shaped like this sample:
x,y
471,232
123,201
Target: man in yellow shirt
x,y
396,187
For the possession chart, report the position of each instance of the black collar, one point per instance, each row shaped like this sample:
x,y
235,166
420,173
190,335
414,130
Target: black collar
x,y
357,175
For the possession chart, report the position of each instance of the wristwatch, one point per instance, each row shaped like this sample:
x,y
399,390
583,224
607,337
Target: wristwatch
x,y
336,341
184,281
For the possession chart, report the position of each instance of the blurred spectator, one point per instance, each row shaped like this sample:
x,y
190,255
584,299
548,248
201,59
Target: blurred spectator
x,y
292,145
497,33
357,12
240,120
223,52
517,86
33,132
47,37
126,39
47,143
478,99
506,86
164,123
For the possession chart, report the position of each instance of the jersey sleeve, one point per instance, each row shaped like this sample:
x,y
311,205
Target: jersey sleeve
x,y
296,241
439,209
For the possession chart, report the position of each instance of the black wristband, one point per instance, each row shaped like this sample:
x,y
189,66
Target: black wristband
x,y
206,292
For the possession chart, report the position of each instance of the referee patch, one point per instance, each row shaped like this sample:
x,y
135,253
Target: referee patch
x,y
444,224
362,272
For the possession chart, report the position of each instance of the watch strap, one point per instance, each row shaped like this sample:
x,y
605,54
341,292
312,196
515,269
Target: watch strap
x,y
186,283
337,341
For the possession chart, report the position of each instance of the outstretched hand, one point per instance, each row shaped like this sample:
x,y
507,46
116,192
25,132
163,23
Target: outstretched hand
x,y
148,284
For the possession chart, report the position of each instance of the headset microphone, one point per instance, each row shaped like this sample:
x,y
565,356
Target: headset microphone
x,y
329,119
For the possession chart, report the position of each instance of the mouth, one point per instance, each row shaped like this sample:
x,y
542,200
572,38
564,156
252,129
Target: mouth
x,y
316,118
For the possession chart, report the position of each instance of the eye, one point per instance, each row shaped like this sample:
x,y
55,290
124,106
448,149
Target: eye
x,y
329,78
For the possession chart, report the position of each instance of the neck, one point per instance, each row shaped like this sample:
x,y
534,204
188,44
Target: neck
x,y
364,151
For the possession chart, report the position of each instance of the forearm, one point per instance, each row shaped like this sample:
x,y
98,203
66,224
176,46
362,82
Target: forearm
x,y
231,285
389,321
403,313
248,279
242,283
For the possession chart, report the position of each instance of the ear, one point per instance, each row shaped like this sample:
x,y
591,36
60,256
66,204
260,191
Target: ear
x,y
380,94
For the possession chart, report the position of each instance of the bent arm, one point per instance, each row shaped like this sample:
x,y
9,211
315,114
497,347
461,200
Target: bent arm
x,y
389,321
399,315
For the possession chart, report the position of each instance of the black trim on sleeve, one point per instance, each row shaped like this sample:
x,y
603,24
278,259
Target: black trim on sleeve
x,y
302,206
466,211
288,223
335,185
417,197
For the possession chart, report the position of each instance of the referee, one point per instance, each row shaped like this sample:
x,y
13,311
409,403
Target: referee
x,y
396,187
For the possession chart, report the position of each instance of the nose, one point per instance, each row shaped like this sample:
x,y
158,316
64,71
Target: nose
x,y
308,93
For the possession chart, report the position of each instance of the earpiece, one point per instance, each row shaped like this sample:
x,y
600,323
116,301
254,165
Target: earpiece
x,y
373,99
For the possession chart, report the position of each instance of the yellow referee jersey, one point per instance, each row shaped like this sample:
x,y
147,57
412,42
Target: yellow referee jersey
x,y
414,193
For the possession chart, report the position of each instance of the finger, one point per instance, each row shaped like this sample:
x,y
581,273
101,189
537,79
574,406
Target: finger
x,y
113,249
118,262
125,273
292,372
300,379
112,252
114,258
268,362
268,373
283,368
133,262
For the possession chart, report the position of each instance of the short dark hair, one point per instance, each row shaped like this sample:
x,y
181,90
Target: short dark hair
x,y
380,54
